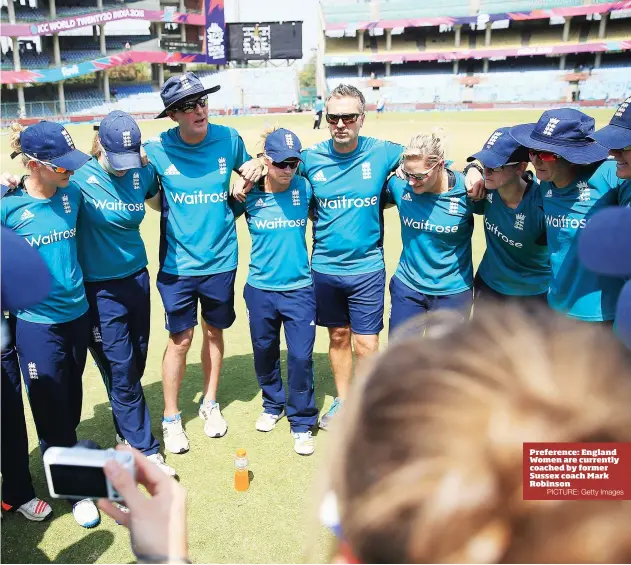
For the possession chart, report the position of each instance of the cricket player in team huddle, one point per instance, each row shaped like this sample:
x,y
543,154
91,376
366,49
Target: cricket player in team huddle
x,y
83,213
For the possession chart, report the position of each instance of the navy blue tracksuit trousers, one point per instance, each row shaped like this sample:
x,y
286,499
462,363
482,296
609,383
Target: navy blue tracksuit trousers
x,y
119,338
52,358
296,310
17,486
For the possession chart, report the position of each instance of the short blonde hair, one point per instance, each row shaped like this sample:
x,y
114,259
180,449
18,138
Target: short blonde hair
x,y
14,141
428,146
427,467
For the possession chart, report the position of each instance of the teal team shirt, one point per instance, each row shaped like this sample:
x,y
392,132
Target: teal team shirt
x,y
198,235
625,193
277,222
516,260
436,232
50,226
109,242
574,290
348,188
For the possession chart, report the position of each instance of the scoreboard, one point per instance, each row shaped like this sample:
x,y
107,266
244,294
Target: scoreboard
x,y
264,40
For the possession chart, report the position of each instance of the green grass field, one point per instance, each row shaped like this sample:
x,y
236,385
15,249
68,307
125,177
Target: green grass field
x,y
273,521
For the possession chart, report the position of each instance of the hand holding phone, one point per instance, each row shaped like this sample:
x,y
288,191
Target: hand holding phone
x,y
157,524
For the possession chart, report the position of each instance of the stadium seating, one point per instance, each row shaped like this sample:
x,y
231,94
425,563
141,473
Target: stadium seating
x,y
335,11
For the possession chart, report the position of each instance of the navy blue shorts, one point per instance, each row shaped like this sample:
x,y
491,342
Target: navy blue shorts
x,y
180,295
408,303
484,294
355,300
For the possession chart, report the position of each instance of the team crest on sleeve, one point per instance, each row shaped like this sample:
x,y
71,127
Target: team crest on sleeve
x,y
32,371
222,165
66,203
295,197
366,172
453,205
584,192
519,221
136,179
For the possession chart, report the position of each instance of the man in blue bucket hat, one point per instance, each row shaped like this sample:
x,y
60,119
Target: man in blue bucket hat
x,y
617,138
576,182
605,248
198,246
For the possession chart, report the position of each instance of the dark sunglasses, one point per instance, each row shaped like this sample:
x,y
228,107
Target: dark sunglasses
x,y
419,176
191,105
346,118
546,156
284,164
498,169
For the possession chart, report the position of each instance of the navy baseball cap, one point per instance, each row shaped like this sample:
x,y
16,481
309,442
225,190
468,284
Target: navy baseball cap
x,y
604,248
618,133
282,144
500,149
120,137
565,132
180,88
50,142
26,280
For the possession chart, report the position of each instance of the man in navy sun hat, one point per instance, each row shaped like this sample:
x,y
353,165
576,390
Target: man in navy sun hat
x,y
516,264
605,248
617,138
576,181
198,248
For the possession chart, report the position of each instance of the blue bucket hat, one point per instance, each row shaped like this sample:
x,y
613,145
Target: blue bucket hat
x,y
50,142
618,133
604,248
565,132
282,144
181,87
500,149
120,137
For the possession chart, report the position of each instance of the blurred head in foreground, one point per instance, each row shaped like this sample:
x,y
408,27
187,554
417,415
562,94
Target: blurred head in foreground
x,y
427,466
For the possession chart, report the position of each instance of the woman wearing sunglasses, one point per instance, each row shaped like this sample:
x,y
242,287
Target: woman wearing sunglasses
x,y
115,187
52,336
516,264
279,290
576,182
436,268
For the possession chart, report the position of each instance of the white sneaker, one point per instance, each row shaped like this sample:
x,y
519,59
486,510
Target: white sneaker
x,y
86,513
35,510
266,422
214,425
175,439
158,461
304,443
121,441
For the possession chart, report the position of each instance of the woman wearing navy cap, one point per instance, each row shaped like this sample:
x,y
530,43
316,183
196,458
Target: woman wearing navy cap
x,y
279,290
52,336
115,186
576,182
617,138
515,264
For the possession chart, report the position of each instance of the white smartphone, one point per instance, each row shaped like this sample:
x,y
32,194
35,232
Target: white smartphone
x,y
77,472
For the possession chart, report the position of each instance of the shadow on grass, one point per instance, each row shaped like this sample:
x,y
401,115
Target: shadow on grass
x,y
21,539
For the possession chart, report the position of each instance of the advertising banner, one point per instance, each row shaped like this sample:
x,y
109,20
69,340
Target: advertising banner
x,y
215,32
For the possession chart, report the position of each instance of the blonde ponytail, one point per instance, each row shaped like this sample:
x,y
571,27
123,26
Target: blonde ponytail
x,y
428,146
14,141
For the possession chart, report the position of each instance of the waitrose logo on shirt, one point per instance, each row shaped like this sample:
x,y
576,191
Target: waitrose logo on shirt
x,y
118,205
53,236
345,203
199,197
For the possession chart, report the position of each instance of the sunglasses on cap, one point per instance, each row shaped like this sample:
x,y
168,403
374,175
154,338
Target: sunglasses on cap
x,y
55,168
546,156
498,169
191,105
419,176
291,163
346,118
